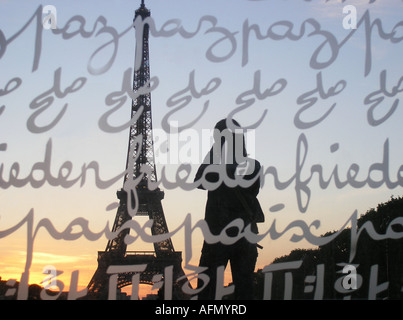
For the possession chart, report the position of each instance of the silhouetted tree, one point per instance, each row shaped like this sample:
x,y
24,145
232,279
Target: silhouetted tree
x,y
386,254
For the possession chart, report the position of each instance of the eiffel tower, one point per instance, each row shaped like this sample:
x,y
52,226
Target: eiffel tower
x,y
164,263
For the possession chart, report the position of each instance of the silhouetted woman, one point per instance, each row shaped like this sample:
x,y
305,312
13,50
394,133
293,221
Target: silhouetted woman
x,y
227,203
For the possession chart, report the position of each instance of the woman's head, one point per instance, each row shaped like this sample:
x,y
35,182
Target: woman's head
x,y
233,137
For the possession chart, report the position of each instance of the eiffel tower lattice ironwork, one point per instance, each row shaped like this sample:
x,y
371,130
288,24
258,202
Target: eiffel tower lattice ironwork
x,y
164,258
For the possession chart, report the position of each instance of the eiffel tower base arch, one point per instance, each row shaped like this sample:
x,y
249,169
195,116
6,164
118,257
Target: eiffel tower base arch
x,y
163,271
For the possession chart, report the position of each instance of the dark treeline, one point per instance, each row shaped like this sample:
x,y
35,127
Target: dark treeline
x,y
384,258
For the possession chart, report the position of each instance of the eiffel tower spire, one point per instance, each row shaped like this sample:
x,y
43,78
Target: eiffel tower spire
x,y
164,257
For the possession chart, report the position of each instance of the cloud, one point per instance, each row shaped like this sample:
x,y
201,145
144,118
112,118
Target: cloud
x,y
44,258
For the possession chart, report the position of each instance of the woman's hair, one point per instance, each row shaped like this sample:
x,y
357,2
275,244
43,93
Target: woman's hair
x,y
225,134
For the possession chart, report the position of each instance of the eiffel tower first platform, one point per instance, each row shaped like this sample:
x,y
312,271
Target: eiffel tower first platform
x,y
163,265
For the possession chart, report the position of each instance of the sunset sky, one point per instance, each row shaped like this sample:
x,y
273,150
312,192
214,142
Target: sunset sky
x,y
300,44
